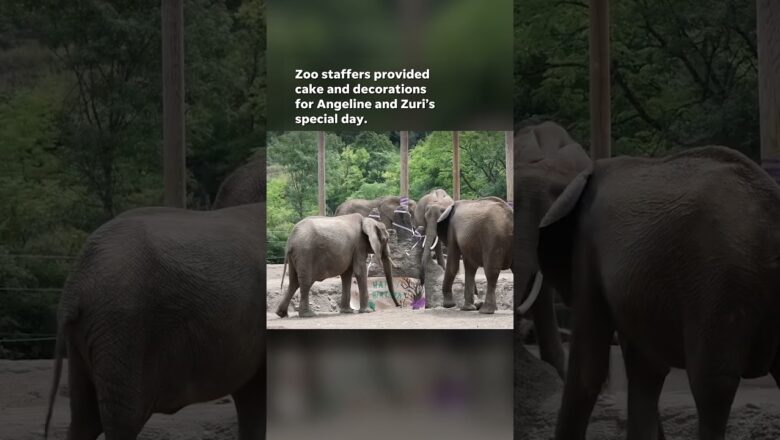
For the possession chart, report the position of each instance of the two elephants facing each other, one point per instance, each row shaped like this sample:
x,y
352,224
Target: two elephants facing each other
x,y
323,247
386,205
681,257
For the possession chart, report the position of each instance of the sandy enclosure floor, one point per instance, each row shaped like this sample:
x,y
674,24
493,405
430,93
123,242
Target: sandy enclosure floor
x,y
25,389
325,296
755,413
398,319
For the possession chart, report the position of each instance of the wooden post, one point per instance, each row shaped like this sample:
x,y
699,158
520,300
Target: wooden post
x,y
174,168
404,164
321,171
509,145
455,165
768,38
599,79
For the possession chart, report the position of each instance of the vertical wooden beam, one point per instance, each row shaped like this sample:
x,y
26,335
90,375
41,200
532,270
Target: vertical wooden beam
x,y
768,36
174,168
455,165
599,80
509,147
404,164
321,171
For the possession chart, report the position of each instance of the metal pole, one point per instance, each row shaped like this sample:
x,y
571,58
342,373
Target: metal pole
x,y
768,37
404,164
174,169
321,171
455,165
509,142
599,79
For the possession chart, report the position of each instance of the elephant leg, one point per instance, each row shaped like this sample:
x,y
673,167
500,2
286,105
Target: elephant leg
x,y
292,286
546,327
361,273
588,363
250,407
645,382
120,412
714,372
468,289
84,413
451,270
776,371
346,291
304,309
489,306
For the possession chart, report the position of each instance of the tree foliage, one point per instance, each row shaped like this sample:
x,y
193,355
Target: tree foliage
x,y
80,129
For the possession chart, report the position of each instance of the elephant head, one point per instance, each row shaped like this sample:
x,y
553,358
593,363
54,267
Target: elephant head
x,y
543,169
427,213
378,237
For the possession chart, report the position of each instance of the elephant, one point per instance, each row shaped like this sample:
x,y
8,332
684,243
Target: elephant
x,y
164,308
244,185
430,207
681,257
323,247
546,160
386,205
481,232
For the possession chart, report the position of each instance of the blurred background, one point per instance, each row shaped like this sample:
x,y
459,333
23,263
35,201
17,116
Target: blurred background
x,y
389,385
467,44
683,73
81,131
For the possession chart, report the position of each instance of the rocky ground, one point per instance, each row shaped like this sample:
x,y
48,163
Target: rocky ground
x,y
755,414
325,296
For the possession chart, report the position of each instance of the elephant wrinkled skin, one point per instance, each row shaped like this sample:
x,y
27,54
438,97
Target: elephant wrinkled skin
x,y
165,308
546,160
481,232
680,256
430,207
323,247
386,206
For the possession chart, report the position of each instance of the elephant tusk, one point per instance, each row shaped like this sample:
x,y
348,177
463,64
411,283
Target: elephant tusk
x,y
435,241
535,289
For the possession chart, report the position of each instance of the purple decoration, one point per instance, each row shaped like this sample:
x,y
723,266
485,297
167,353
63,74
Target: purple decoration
x,y
418,303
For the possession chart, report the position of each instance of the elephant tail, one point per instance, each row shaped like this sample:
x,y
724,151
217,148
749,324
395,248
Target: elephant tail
x,y
284,271
59,354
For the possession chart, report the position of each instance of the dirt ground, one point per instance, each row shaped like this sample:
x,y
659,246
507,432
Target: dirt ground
x,y
755,414
325,295
25,389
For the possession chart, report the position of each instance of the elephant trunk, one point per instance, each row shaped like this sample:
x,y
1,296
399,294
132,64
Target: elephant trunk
x,y
430,239
387,265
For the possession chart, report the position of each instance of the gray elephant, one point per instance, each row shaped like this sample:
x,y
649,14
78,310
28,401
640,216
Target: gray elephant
x,y
680,256
426,214
165,308
481,232
546,160
244,185
323,247
386,205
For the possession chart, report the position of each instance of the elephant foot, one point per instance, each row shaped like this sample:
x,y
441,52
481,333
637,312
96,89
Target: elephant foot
x,y
346,310
448,304
478,304
365,310
488,309
306,313
468,307
281,312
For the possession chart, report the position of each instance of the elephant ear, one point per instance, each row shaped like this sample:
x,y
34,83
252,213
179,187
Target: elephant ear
x,y
371,230
556,234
